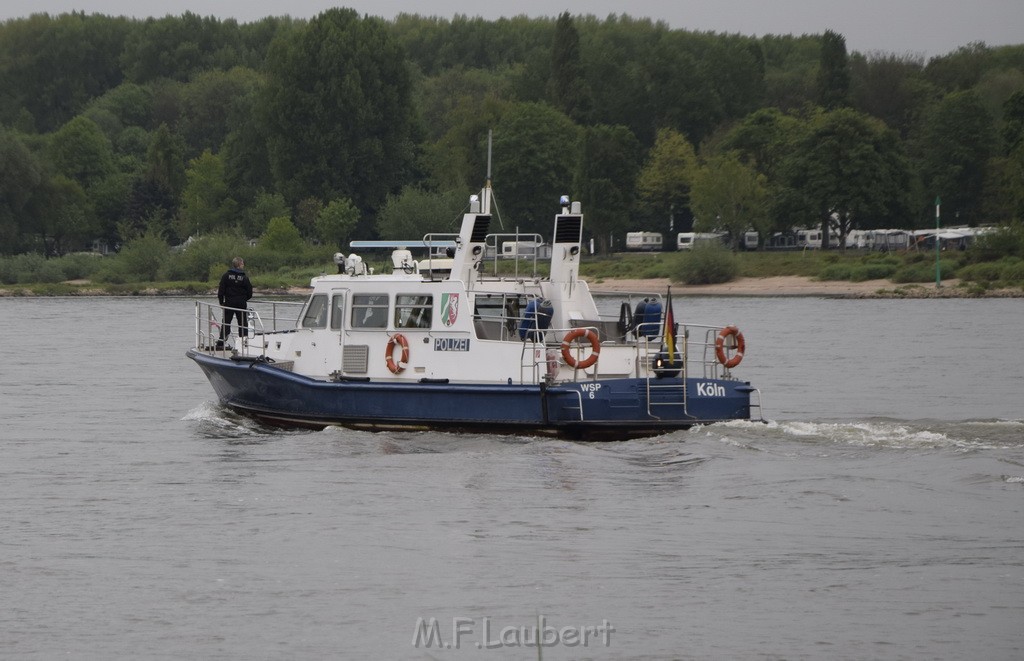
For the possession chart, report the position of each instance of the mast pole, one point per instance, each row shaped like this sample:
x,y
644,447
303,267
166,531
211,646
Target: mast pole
x,y
487,185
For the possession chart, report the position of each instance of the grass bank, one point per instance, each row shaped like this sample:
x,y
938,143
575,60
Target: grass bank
x,y
71,277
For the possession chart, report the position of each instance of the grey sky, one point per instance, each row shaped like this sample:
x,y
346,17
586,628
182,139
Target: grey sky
x,y
922,27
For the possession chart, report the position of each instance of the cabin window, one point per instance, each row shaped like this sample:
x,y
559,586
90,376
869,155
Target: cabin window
x,y
413,311
316,312
370,311
337,311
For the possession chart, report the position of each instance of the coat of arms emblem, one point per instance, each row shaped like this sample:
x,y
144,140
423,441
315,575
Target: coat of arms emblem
x,y
449,308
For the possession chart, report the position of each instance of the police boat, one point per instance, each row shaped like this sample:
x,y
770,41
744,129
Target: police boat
x,y
460,340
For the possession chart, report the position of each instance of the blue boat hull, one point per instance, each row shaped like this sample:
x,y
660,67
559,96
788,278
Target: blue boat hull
x,y
591,410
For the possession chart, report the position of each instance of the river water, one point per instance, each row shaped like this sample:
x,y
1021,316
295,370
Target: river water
x,y
879,515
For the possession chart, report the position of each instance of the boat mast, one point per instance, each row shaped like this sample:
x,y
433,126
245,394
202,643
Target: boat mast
x,y
470,246
485,194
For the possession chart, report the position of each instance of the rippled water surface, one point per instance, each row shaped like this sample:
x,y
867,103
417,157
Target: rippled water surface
x,y
878,515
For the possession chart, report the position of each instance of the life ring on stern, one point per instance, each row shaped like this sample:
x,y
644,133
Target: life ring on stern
x,y
400,340
589,336
741,346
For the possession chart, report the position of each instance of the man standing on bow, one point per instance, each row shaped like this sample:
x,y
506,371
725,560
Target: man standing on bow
x,y
233,294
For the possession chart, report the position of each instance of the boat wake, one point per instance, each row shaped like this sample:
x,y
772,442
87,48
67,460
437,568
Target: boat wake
x,y
215,421
882,433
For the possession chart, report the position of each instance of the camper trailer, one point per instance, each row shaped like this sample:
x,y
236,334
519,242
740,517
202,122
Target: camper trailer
x,y
687,240
525,250
808,239
811,239
643,241
886,240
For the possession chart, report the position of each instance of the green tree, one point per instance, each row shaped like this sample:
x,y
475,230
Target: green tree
x,y
282,236
620,54
736,68
165,161
536,151
52,66
338,111
109,198
847,169
664,182
130,147
131,104
67,217
961,69
336,222
606,179
306,213
729,195
178,47
206,203
956,142
156,193
682,92
415,212
892,88
457,160
246,160
1013,118
1005,190
20,177
764,138
568,89
791,70
140,260
834,72
81,151
1003,196
265,207
211,105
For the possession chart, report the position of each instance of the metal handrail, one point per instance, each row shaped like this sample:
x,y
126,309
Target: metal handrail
x,y
209,318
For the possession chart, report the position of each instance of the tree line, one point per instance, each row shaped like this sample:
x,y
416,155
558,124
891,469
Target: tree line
x,y
344,126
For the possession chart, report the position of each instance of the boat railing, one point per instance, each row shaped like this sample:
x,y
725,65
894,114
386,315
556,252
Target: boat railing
x,y
437,264
695,342
263,317
713,369
275,316
536,253
502,316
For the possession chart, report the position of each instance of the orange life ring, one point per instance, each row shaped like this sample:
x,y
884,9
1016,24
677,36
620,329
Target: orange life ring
x,y
400,340
741,346
589,336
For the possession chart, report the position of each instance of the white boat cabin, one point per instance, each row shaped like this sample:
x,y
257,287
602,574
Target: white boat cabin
x,y
448,319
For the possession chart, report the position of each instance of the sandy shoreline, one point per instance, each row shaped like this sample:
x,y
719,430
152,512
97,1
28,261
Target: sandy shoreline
x,y
792,285
788,285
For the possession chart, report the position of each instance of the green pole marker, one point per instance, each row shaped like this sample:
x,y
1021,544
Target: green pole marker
x,y
938,275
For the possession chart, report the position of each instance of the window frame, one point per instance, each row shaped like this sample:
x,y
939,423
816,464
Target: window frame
x,y
369,311
318,303
415,312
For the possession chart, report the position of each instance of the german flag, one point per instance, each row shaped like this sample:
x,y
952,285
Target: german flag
x,y
669,334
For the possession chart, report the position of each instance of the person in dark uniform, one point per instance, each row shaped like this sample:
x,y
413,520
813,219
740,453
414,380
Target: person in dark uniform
x,y
234,293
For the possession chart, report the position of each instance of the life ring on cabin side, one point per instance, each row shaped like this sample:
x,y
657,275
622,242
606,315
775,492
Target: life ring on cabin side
x,y
741,346
400,340
572,336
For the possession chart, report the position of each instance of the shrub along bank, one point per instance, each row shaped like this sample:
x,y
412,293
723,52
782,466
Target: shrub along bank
x,y
147,265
